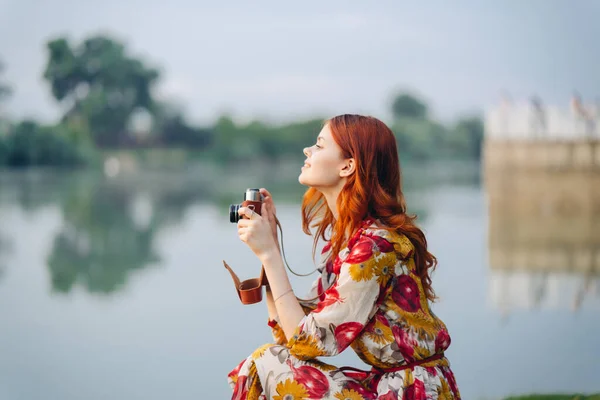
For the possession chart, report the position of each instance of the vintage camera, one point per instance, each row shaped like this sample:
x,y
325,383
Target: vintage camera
x,y
252,198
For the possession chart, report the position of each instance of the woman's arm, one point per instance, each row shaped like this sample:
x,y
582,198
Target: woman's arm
x,y
272,218
283,303
253,231
271,306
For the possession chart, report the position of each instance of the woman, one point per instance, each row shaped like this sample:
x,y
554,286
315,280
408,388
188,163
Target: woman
x,y
374,290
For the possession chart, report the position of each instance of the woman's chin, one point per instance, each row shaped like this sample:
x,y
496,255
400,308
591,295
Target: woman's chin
x,y
302,179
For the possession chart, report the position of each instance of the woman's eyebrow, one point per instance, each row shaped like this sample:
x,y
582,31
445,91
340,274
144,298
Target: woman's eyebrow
x,y
320,138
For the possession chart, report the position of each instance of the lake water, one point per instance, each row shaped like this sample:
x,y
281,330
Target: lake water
x,y
113,288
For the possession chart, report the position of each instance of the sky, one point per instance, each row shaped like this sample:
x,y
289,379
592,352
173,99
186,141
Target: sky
x,y
283,61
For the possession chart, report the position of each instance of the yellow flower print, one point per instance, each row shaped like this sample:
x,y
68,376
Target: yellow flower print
x,y
260,351
420,321
279,335
362,271
321,365
403,245
290,390
444,392
384,270
348,394
306,347
380,333
421,352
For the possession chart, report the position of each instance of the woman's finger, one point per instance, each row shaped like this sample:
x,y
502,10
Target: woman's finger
x,y
265,193
243,222
268,198
248,212
266,212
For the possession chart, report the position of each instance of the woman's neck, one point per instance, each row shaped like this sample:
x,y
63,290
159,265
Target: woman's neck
x,y
331,195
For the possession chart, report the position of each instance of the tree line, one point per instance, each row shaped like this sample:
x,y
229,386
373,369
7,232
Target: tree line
x,y
108,100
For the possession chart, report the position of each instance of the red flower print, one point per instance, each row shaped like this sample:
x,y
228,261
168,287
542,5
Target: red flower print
x,y
360,389
312,379
382,319
391,395
326,248
406,294
236,370
356,237
406,345
239,391
442,340
382,244
361,252
346,333
320,290
337,266
357,375
331,296
329,267
416,391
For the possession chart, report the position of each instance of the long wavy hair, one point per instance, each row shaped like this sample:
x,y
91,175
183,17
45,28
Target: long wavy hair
x,y
373,191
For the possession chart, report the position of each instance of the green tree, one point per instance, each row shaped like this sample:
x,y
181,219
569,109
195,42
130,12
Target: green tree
x,y
407,105
171,128
30,144
419,138
467,137
99,81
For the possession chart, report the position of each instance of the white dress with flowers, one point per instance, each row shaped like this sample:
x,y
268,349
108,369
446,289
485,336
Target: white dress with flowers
x,y
376,305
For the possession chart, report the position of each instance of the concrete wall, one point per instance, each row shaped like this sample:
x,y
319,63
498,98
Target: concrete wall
x,y
537,155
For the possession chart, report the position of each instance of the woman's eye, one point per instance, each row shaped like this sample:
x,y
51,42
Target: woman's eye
x,y
317,146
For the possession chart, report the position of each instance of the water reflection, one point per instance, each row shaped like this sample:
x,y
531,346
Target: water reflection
x,y
109,225
544,240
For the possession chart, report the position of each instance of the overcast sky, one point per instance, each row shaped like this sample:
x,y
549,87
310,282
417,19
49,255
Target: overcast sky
x,y
283,60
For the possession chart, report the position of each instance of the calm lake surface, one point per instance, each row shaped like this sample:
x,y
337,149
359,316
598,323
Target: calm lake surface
x,y
113,288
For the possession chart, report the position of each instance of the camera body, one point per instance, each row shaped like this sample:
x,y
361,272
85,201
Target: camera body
x,y
252,199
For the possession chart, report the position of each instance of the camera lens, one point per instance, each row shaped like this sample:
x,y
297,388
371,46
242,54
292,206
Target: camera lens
x,y
234,216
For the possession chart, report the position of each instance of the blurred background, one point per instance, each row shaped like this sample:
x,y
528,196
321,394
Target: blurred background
x,y
128,127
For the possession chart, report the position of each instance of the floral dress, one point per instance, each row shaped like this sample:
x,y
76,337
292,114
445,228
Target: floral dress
x,y
370,299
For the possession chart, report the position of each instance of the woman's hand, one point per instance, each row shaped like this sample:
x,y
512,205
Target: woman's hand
x,y
255,231
268,201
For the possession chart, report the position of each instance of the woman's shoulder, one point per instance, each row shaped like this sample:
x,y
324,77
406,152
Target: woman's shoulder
x,y
400,242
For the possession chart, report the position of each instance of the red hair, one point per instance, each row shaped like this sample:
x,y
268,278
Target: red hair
x,y
373,191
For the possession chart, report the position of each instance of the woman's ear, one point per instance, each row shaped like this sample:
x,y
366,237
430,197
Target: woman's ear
x,y
349,167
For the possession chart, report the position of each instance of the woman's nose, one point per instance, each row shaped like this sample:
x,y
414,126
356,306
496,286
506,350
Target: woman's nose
x,y
306,151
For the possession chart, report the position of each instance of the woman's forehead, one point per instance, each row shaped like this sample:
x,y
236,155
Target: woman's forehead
x,y
325,133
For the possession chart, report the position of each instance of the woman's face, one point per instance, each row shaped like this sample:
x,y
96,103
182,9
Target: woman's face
x,y
324,165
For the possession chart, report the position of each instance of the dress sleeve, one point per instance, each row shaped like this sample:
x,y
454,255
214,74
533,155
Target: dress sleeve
x,y
342,314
